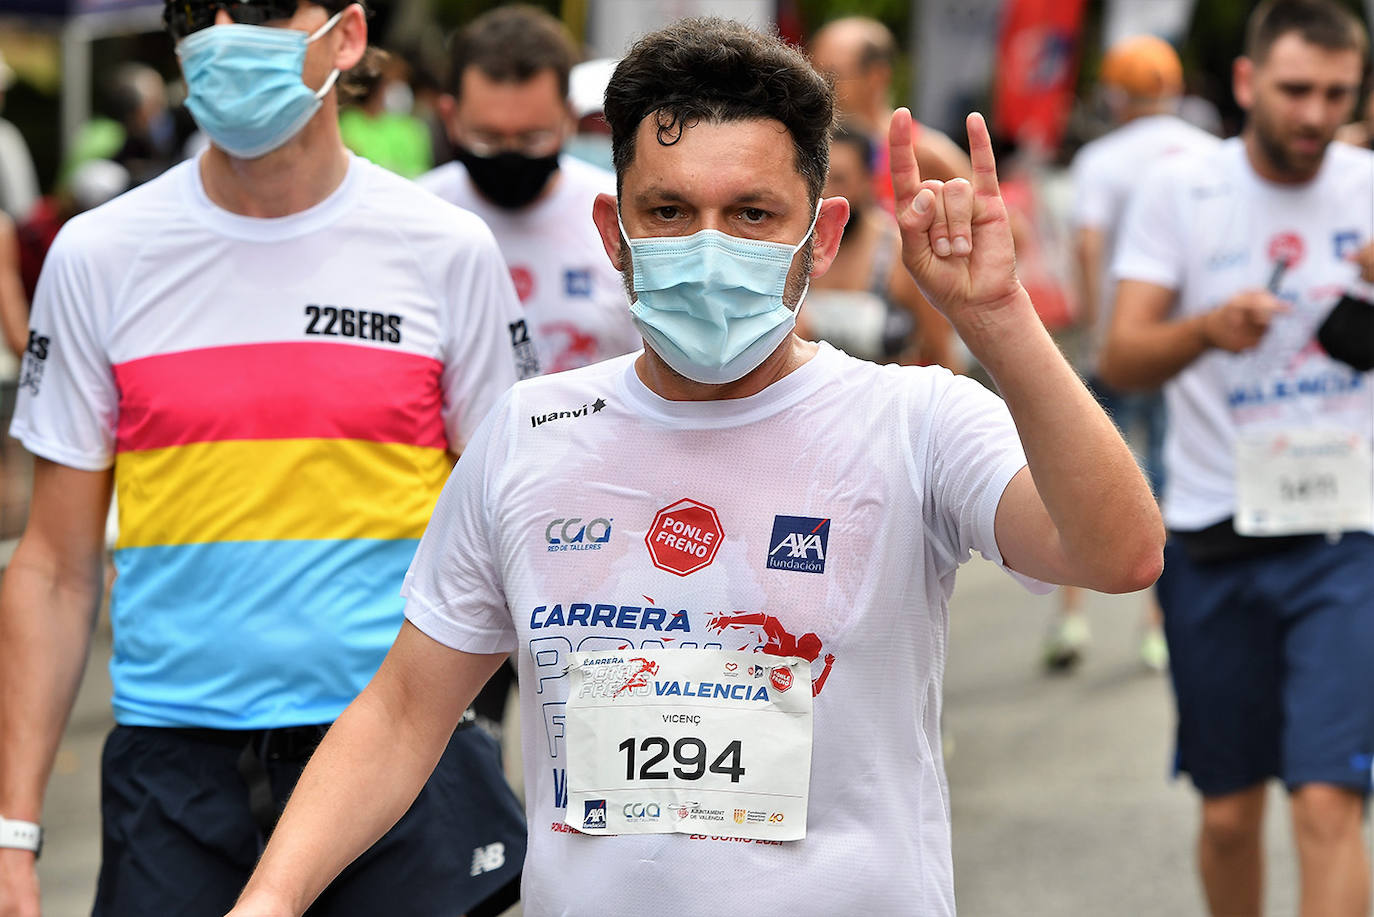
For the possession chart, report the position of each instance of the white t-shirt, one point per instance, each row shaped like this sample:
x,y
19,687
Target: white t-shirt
x,y
901,470
573,296
1107,170
278,398
1206,226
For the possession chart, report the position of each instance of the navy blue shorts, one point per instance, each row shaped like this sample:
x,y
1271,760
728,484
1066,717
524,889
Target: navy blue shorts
x,y
179,837
1272,659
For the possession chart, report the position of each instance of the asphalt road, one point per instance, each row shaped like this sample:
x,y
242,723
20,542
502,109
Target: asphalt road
x,y
1061,798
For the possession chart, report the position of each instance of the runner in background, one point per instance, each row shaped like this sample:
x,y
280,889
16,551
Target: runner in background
x,y
867,304
272,352
858,54
508,117
1142,81
1230,263
743,489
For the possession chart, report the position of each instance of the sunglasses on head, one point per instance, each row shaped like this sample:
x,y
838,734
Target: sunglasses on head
x,y
182,17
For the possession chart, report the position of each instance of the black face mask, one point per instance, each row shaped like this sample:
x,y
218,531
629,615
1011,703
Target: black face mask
x,y
508,180
1348,333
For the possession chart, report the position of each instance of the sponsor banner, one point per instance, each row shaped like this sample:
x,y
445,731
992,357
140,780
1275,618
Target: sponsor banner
x,y
1037,58
688,741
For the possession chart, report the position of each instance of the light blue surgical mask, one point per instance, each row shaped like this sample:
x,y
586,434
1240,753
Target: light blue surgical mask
x,y
711,304
244,84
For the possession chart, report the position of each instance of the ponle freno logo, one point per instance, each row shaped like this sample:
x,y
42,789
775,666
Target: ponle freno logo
x,y
684,537
781,678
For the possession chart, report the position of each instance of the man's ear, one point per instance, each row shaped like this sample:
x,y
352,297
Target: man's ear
x,y
606,216
447,107
1243,82
829,228
352,30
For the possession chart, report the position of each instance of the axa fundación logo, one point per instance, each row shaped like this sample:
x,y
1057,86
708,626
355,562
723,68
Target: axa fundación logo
x,y
799,544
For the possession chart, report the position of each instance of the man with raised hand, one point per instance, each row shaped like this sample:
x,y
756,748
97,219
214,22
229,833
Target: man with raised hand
x,y
759,512
1230,263
271,353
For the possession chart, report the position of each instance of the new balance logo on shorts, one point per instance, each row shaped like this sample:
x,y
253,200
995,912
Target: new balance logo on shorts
x,y
488,859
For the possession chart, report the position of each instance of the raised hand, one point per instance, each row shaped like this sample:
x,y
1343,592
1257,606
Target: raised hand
x,y
956,240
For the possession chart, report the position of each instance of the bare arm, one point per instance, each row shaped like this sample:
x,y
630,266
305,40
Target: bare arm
x,y
14,305
1088,245
48,603
1145,348
367,771
1081,513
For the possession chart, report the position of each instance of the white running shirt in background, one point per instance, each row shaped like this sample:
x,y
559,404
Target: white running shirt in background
x,y
573,297
898,471
1106,171
1206,226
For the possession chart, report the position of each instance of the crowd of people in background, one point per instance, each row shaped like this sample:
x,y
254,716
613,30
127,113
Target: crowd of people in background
x,y
1192,313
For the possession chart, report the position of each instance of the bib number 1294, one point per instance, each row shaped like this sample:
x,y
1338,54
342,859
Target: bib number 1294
x,y
689,756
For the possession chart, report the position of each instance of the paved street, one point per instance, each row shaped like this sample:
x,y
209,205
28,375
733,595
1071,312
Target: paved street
x,y
1061,803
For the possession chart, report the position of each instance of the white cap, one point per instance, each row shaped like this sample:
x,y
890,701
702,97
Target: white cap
x,y
587,85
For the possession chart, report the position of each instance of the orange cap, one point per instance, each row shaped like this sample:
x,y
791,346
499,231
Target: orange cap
x,y
1144,66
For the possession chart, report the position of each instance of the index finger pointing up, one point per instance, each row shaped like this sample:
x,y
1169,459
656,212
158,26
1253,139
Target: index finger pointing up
x,y
980,153
906,175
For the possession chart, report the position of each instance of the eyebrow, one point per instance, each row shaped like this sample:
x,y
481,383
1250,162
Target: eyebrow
x,y
656,193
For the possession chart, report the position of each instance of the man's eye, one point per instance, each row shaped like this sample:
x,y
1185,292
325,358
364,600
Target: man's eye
x,y
753,215
666,213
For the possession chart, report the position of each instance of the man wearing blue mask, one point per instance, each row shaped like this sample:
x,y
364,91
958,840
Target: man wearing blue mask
x,y
724,564
272,354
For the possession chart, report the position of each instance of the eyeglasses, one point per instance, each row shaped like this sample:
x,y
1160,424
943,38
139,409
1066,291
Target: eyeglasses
x,y
535,144
182,17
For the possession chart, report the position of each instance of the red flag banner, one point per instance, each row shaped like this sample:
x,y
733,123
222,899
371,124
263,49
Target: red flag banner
x,y
1037,64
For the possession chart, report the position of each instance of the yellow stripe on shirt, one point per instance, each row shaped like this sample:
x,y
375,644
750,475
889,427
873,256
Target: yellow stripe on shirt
x,y
276,489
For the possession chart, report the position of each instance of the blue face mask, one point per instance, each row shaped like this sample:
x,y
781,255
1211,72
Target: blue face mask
x,y
244,85
711,304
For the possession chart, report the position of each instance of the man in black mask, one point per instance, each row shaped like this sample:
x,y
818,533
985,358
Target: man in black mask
x,y
508,116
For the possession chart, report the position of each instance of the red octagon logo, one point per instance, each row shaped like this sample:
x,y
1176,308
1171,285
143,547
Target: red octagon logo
x,y
684,537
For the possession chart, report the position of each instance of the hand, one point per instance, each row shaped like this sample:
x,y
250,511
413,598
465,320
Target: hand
x,y
956,239
1239,324
18,884
829,658
1365,259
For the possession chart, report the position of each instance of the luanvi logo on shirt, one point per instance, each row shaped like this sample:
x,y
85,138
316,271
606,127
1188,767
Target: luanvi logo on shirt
x,y
540,419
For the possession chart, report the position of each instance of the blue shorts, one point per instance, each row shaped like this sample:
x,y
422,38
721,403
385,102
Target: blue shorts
x,y
179,836
1272,659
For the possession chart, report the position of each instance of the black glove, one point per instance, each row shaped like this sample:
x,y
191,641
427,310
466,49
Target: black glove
x,y
1348,333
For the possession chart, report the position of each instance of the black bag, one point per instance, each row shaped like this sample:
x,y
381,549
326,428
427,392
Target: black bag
x,y
1348,333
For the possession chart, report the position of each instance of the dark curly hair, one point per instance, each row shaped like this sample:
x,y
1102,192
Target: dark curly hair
x,y
719,70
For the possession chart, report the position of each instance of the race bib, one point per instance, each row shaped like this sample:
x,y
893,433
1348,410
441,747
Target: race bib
x,y
1292,482
689,741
